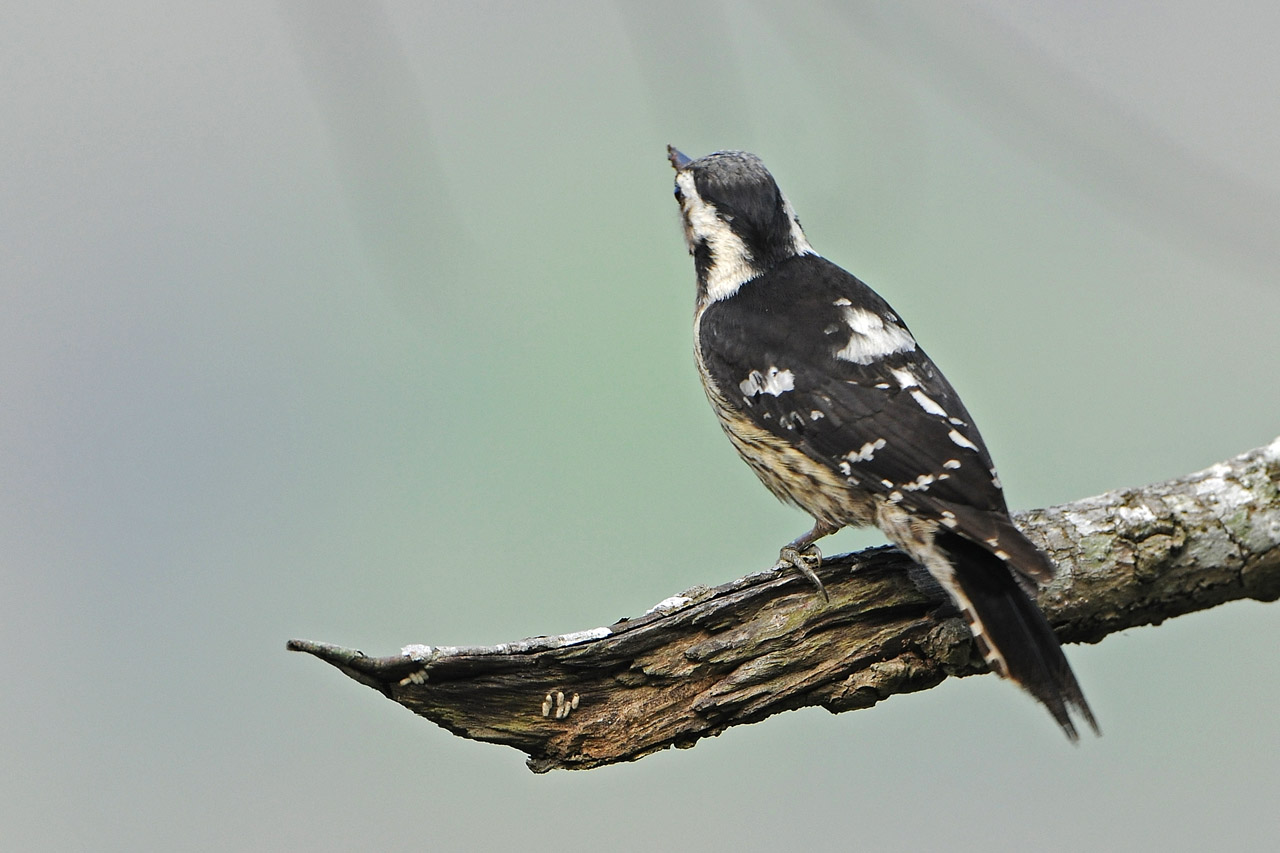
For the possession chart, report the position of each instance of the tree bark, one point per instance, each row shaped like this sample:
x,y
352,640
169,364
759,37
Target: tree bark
x,y
708,659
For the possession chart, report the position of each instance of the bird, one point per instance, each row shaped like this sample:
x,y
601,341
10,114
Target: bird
x,y
825,393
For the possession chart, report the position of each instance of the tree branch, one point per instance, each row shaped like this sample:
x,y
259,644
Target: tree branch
x,y
709,659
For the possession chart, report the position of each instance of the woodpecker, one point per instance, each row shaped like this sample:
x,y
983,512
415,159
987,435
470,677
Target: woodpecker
x,y
824,392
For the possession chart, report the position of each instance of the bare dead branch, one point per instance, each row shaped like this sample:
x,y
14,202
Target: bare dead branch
x,y
709,659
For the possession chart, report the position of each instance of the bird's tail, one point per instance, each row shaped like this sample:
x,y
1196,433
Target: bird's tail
x,y
1014,637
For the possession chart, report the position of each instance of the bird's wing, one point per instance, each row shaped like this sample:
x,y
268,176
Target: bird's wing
x,y
812,355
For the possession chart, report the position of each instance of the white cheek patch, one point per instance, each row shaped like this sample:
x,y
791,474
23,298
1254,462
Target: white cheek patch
x,y
731,265
772,381
873,337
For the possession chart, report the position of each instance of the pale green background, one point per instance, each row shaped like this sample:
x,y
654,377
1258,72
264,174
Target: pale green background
x,y
370,324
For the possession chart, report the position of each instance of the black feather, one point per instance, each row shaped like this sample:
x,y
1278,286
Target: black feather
x,y
745,195
781,320
826,394
1014,631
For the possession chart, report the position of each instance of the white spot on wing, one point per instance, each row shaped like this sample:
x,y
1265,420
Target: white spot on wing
x,y
772,381
961,441
919,483
906,379
953,464
872,336
927,403
867,452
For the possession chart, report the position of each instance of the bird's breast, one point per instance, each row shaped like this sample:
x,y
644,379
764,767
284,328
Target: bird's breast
x,y
790,474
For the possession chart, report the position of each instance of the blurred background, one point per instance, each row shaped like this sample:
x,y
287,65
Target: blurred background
x,y
370,324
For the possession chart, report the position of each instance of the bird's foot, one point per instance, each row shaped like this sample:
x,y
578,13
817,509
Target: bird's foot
x,y
805,561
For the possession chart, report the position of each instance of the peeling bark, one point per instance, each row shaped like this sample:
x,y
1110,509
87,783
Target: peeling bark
x,y
709,659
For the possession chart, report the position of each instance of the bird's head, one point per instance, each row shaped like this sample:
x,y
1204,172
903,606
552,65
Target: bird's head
x,y
737,223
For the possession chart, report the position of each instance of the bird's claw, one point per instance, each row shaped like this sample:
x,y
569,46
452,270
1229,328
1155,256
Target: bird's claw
x,y
805,562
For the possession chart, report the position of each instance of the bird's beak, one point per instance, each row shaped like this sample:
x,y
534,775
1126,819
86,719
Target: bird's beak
x,y
678,160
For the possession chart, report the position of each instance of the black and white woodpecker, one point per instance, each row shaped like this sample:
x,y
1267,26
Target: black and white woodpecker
x,y
825,393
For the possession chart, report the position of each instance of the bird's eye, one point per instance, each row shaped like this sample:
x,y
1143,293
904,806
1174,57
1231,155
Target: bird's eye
x,y
679,193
